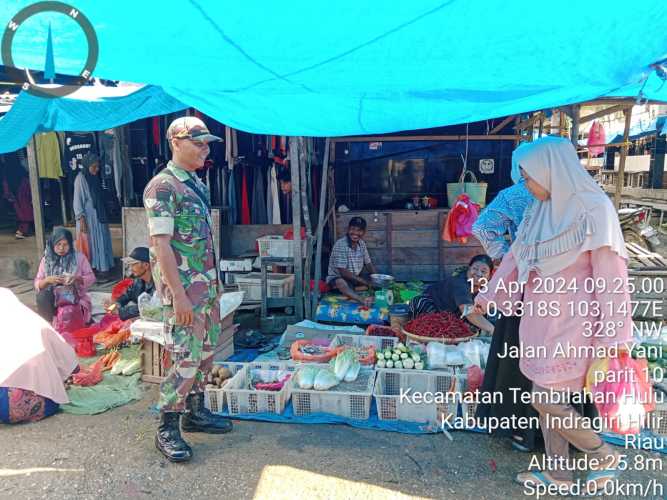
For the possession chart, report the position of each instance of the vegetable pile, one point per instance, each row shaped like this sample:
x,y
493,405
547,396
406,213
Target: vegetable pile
x,y
309,351
268,380
114,335
218,377
344,368
400,357
438,325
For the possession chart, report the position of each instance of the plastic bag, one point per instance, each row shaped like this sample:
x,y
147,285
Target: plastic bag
x,y
65,295
436,353
150,307
626,389
229,302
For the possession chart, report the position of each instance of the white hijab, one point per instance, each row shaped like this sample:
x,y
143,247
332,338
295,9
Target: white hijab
x,y
577,217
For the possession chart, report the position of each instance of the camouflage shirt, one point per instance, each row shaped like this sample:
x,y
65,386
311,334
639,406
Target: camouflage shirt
x,y
176,209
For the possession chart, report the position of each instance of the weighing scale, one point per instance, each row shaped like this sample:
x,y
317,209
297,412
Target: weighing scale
x,y
384,297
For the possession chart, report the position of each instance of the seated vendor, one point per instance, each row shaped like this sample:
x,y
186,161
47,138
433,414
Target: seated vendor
x,y
126,306
455,294
350,264
63,269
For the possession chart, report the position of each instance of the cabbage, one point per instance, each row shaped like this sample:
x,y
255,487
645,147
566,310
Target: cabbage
x,y
353,372
306,377
324,380
343,362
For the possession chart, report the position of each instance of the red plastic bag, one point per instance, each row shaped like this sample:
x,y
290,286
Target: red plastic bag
x,y
289,234
626,394
120,288
81,244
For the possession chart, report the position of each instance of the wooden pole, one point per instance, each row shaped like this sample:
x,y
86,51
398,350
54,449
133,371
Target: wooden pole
x,y
320,226
574,133
33,172
624,154
294,147
304,152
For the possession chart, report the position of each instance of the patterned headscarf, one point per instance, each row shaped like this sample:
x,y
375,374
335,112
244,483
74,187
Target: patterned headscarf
x,y
56,265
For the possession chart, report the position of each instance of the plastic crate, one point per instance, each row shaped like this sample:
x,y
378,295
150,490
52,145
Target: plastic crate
x,y
387,392
348,399
380,343
468,410
214,399
278,285
657,420
277,246
241,400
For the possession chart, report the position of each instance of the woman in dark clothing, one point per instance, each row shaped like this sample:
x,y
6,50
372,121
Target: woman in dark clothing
x,y
16,190
502,375
455,294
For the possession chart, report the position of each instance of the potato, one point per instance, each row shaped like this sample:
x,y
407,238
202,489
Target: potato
x,y
216,381
214,371
224,373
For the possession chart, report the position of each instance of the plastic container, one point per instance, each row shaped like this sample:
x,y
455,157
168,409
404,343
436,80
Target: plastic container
x,y
390,383
348,399
241,400
657,421
370,343
278,285
214,399
277,246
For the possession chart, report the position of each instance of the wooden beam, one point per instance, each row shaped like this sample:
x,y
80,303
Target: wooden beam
x,y
575,115
501,125
35,192
624,154
304,151
409,138
320,226
295,144
529,122
605,112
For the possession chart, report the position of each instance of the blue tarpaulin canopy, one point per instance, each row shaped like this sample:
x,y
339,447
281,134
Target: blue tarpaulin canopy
x,y
350,67
90,108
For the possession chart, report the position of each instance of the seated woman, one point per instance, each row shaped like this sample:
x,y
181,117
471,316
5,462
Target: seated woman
x,y
456,294
34,362
61,266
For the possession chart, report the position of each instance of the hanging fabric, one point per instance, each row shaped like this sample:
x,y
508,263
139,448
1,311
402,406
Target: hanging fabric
x,y
245,204
231,198
48,156
259,205
275,197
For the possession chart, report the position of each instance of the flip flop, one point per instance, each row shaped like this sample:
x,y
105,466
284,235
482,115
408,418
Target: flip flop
x,y
267,348
537,476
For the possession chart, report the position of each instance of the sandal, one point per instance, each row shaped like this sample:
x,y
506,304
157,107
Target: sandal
x,y
609,473
538,478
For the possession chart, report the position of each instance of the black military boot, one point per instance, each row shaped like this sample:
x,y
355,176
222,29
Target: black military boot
x,y
168,438
200,419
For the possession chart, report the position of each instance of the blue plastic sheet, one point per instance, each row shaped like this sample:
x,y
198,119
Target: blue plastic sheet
x,y
331,69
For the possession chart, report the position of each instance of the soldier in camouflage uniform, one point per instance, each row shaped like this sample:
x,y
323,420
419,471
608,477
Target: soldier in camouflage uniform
x,y
185,274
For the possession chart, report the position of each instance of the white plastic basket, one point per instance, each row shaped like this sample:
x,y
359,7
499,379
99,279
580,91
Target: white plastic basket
x,y
241,400
277,246
348,399
214,399
389,385
278,285
361,341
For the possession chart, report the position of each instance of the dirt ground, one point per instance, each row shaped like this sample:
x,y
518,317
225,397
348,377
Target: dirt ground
x,y
112,455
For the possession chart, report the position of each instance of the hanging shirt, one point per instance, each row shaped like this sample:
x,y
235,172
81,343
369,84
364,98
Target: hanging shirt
x,y
76,147
107,161
275,198
258,201
48,156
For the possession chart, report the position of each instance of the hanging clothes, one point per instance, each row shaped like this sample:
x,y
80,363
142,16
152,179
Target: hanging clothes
x,y
48,156
106,174
596,135
275,197
231,198
259,207
245,204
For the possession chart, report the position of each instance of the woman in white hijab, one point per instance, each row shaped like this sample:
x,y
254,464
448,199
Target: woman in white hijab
x,y
569,259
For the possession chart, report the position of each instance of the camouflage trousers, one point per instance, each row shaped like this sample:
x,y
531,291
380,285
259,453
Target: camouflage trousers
x,y
191,348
